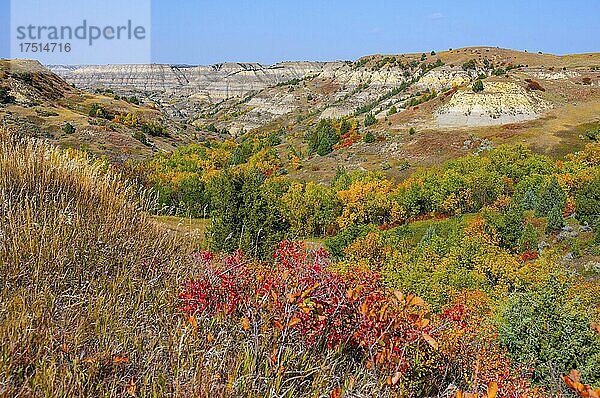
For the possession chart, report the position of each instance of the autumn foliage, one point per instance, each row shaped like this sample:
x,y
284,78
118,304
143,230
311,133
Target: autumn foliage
x,y
299,297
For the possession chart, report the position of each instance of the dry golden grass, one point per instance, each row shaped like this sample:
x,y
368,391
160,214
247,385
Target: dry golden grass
x,y
86,276
88,298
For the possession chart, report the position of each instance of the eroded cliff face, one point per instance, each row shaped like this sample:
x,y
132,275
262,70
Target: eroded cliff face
x,y
210,83
499,103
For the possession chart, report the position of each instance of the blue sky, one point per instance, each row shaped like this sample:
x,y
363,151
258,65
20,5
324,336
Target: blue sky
x,y
267,31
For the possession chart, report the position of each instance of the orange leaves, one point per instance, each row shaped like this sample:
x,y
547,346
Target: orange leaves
x,y
294,321
245,323
120,359
583,390
131,387
595,327
336,393
492,392
191,319
430,340
278,324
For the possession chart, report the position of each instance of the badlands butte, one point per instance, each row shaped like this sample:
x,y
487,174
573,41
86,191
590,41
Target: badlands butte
x,y
428,107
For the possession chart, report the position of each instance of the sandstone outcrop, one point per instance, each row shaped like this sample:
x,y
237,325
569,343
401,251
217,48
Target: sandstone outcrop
x,y
499,103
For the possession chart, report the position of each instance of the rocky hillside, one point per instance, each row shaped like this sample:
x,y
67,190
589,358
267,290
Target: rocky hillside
x,y
37,102
422,108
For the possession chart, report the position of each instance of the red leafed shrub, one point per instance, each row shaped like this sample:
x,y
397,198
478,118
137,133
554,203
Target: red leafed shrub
x,y
529,255
299,295
534,86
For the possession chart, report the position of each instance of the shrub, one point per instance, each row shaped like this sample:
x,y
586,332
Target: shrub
x,y
370,119
534,86
547,330
5,97
141,137
478,86
412,131
587,204
555,219
97,110
471,64
68,128
393,110
154,130
323,138
369,137
593,135
299,304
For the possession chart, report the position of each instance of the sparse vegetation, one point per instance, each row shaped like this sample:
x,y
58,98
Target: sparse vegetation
x,y
534,85
5,97
478,86
369,120
68,128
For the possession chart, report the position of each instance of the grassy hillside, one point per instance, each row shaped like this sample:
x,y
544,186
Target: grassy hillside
x,y
41,104
88,281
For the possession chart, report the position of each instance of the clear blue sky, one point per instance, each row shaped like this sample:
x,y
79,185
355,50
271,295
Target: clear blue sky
x,y
267,31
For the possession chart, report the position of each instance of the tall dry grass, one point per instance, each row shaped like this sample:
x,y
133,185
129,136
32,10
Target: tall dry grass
x,y
88,297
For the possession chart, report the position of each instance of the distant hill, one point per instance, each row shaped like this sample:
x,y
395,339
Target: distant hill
x,y
424,104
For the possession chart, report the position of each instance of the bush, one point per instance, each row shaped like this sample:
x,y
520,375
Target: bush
x,y
593,135
412,131
555,219
370,119
323,138
546,329
587,204
478,86
154,130
141,137
68,128
299,306
393,110
98,110
469,65
369,137
534,86
5,97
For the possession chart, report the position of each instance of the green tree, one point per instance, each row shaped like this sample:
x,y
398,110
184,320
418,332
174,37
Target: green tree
x,y
478,86
68,128
555,219
529,201
587,202
370,119
5,97
245,213
323,137
551,196
369,137
587,205
529,239
544,328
